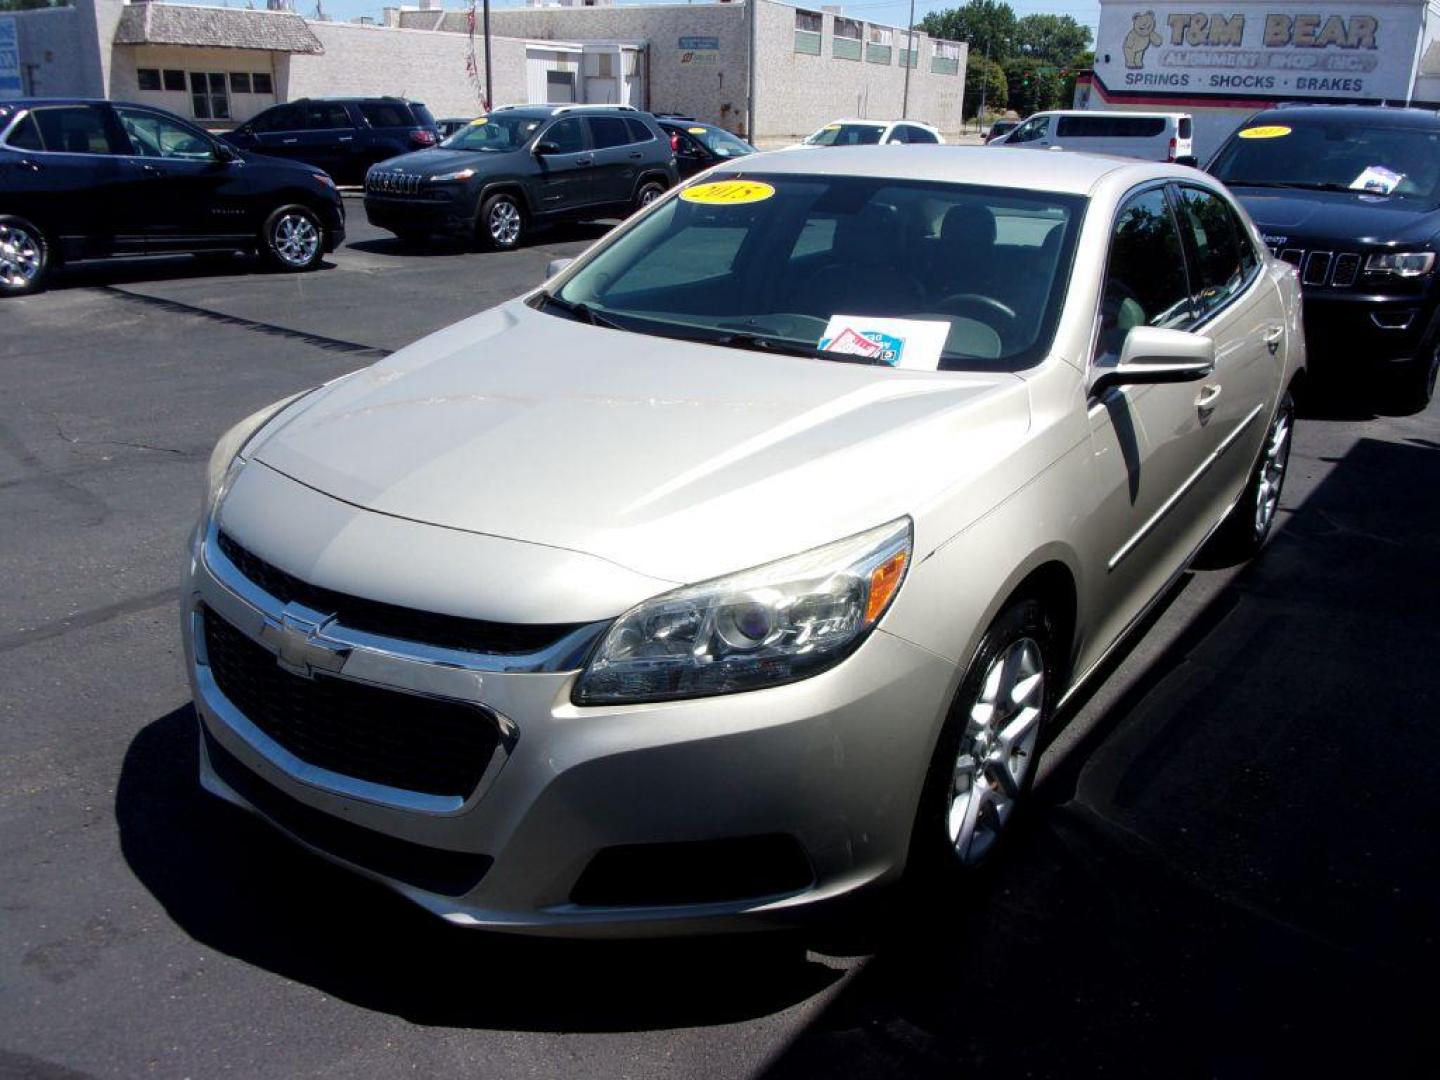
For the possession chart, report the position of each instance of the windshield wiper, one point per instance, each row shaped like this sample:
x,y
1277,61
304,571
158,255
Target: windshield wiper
x,y
1299,185
580,312
760,343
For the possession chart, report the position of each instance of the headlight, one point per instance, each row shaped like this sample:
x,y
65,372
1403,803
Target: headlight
x,y
774,624
226,460
1401,264
459,174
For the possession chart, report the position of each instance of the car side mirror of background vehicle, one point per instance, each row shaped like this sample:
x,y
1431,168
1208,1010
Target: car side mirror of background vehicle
x,y
1154,355
546,147
555,266
226,154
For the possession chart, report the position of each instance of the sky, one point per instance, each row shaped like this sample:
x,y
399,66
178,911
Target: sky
x,y
892,12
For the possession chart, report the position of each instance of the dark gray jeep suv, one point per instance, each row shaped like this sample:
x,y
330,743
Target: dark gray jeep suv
x,y
522,166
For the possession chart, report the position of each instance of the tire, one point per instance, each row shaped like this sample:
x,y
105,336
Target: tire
x,y
647,193
293,239
1415,385
958,831
1245,530
502,225
24,257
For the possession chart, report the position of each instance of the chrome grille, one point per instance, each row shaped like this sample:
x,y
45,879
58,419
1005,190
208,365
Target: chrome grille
x,y
1321,268
1317,268
392,182
1347,269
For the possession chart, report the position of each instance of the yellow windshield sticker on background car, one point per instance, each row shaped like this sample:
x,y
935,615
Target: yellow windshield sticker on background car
x,y
728,193
479,120
1272,131
696,131
831,127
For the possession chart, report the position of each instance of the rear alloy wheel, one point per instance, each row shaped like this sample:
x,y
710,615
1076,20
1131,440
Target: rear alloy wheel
x,y
293,239
648,193
1245,531
502,222
984,766
24,257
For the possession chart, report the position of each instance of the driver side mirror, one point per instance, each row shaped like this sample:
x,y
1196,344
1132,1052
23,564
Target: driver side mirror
x,y
546,147
1153,355
226,154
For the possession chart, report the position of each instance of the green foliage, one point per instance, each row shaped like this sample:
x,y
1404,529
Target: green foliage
x,y
1033,85
1055,39
989,75
982,23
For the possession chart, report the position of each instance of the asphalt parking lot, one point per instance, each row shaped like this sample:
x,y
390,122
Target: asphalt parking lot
x,y
1231,869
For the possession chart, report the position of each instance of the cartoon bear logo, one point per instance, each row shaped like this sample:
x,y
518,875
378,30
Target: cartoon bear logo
x,y
1141,36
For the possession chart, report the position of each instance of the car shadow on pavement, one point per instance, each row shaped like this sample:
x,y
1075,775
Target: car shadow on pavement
x,y
582,232
164,268
1234,873
233,884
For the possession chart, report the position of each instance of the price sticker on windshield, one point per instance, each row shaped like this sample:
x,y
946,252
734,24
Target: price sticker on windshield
x,y
1271,131
915,344
728,193
696,131
479,121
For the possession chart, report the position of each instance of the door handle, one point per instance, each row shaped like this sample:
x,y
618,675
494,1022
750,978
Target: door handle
x,y
289,142
1272,338
636,156
346,138
153,170
583,160
1205,402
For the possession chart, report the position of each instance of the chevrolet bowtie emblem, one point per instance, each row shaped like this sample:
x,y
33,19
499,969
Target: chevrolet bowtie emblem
x,y
297,637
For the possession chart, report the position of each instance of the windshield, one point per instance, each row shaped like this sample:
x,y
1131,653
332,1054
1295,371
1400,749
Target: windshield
x,y
1338,155
847,135
494,133
721,143
795,261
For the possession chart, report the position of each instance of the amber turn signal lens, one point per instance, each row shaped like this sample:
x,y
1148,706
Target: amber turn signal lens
x,y
884,580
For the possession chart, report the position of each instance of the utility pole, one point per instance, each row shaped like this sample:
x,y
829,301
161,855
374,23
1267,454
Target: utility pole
x,y
911,56
984,85
489,85
753,12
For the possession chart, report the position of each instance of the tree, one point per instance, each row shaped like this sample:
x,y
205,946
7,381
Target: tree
x,y
1033,85
1080,62
988,74
982,23
1056,39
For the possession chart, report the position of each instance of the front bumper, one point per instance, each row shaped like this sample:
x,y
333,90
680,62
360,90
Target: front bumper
x,y
448,213
1342,328
833,764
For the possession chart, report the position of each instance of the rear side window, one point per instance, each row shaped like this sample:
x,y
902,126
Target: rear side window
x,y
1187,127
1215,241
920,135
385,114
1145,281
1112,126
638,131
26,136
607,131
74,129
325,115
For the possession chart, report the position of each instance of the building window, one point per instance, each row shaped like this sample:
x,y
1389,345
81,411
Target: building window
x,y
260,83
175,81
878,41
808,26
946,60
239,82
148,78
909,50
849,33
208,98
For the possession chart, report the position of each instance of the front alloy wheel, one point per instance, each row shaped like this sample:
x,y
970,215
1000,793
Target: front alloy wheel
x,y
293,239
503,222
23,257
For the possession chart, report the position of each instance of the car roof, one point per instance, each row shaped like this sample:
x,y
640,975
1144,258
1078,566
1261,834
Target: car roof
x,y
1110,112
1067,173
1359,115
33,102
389,100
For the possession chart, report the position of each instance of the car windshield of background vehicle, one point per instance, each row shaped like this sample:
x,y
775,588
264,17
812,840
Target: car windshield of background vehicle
x,y
771,262
493,133
847,135
721,143
1334,156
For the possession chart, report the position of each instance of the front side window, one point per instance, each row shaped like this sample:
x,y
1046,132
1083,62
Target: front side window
x,y
496,133
567,136
608,131
921,135
280,118
780,266
1029,131
326,115
73,129
1145,280
1212,232
152,135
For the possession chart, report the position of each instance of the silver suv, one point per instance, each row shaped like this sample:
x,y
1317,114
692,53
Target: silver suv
x,y
745,563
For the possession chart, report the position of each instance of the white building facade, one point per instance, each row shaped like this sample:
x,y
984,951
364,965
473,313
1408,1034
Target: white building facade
x,y
1223,62
220,66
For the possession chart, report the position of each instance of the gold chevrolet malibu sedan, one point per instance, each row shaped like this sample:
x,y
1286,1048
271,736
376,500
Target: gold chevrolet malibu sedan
x,y
745,563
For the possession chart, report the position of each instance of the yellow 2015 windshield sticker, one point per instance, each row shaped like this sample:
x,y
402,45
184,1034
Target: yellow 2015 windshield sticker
x,y
696,131
728,193
478,121
1272,131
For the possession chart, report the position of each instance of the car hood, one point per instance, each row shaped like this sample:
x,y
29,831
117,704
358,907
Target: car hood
x,y
1350,217
676,460
440,159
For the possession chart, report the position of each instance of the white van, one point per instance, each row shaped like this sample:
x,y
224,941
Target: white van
x,y
1154,136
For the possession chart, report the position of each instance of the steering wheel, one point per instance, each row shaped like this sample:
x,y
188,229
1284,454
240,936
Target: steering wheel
x,y
976,300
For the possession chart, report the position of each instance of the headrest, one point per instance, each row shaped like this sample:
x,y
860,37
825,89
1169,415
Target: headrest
x,y
970,225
